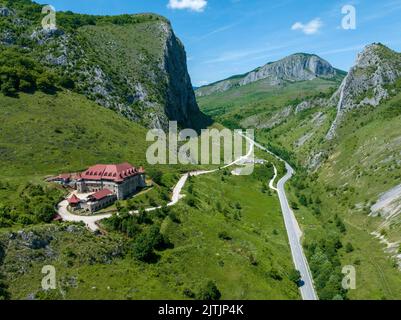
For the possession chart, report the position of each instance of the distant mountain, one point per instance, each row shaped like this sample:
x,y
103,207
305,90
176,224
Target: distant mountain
x,y
369,82
294,68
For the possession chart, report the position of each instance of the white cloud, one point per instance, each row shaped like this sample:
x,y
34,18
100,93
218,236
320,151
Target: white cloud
x,y
311,27
193,5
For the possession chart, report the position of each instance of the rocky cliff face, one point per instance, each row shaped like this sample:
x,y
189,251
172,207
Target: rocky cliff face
x,y
368,81
297,67
180,103
133,64
146,84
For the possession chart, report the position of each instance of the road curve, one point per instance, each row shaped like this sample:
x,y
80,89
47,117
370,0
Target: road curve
x,y
91,221
294,236
293,230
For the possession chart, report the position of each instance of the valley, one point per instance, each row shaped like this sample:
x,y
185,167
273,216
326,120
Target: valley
x,y
338,179
324,192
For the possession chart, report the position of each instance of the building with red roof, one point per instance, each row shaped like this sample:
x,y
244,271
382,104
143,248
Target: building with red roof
x,y
74,200
122,179
99,200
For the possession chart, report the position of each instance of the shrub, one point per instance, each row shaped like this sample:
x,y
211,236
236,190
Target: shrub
x,y
209,292
295,276
349,248
45,82
223,235
142,249
191,201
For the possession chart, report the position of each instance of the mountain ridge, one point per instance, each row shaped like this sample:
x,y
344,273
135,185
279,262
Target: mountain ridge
x,y
132,64
293,68
369,81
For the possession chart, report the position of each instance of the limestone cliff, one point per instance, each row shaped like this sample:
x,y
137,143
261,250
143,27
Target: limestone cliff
x,y
368,82
296,67
133,64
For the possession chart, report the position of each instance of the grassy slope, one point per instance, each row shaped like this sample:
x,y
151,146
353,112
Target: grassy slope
x,y
235,105
44,134
365,162
198,252
362,165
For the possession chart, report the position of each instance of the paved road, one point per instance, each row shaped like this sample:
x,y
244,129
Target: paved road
x,y
293,230
91,221
294,236
291,224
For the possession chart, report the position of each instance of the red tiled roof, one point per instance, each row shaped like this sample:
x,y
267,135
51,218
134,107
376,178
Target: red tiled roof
x,y
112,172
74,199
101,194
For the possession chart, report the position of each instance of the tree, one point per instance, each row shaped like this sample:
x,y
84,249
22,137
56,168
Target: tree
x,y
295,276
209,292
44,212
191,201
8,88
142,249
4,295
303,201
349,248
294,205
45,82
223,235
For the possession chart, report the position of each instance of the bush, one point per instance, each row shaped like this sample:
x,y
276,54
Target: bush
x,y
275,275
209,292
142,249
191,201
349,248
223,235
20,72
295,276
146,242
294,205
45,82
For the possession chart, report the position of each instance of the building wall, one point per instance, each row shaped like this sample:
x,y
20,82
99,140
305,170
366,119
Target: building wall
x,y
122,190
98,205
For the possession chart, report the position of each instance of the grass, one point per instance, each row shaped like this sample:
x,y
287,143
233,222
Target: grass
x,y
254,263
235,106
362,165
357,167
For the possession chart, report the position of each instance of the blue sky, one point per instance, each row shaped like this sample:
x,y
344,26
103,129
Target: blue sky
x,y
226,37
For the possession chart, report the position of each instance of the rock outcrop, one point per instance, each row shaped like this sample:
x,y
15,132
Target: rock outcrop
x,y
132,64
367,82
297,67
181,104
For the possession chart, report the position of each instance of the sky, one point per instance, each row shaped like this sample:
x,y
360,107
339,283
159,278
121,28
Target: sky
x,y
227,37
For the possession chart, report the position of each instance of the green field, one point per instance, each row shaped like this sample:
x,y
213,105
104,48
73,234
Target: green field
x,y
251,261
332,198
250,105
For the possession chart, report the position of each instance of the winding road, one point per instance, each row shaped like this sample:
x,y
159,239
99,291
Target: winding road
x,y
91,221
293,230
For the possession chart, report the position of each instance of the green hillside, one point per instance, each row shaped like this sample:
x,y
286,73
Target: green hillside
x,y
360,166
48,134
247,105
234,237
337,181
132,64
